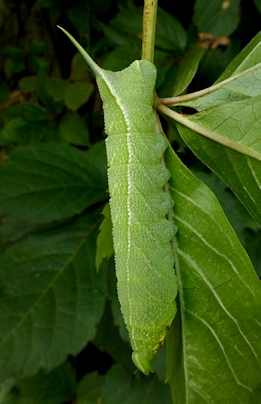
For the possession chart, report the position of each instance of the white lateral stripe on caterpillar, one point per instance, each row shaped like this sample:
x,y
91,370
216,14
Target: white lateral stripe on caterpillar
x,y
146,281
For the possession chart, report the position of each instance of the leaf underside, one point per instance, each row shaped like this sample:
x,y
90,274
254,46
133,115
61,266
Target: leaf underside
x,y
231,114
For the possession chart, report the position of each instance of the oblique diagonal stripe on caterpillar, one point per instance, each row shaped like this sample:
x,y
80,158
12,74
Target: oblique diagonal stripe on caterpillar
x,y
146,281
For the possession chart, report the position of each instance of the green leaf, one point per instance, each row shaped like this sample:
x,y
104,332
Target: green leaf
x,y
98,152
14,51
121,387
159,363
121,57
246,85
4,93
235,155
89,388
31,111
174,137
5,388
54,387
114,301
170,35
187,69
13,66
27,84
56,88
219,300
219,17
214,63
104,240
241,80
253,250
176,366
42,86
117,37
38,64
15,61
78,14
51,297
258,5
129,21
76,94
249,57
50,182
36,46
235,212
79,69
108,339
20,131
73,130
13,131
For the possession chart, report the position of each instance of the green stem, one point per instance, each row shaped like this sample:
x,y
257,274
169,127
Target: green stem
x,y
232,144
149,29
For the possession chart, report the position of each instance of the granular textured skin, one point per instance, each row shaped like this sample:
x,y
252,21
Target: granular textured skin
x,y
147,284
146,281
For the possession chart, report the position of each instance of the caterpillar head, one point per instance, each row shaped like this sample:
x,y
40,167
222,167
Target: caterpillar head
x,y
141,360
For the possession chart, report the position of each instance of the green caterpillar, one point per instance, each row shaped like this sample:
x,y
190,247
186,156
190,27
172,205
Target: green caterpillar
x,y
146,281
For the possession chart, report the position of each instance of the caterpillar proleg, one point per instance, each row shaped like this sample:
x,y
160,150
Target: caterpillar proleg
x,y
146,281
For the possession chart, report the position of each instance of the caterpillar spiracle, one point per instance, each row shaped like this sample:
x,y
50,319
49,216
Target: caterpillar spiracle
x,y
146,281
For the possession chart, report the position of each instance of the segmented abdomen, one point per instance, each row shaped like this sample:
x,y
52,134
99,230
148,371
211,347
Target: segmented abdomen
x,y
144,259
141,233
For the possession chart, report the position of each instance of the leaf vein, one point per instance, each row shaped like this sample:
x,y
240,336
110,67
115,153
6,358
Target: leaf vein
x,y
221,346
218,299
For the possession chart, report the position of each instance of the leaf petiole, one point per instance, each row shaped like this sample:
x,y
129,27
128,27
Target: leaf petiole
x,y
208,133
171,101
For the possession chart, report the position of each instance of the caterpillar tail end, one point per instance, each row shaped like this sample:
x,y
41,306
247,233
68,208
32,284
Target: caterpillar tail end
x,y
141,360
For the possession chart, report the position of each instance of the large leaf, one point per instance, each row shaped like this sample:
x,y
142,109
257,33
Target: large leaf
x,y
237,160
187,69
170,34
234,126
217,17
73,130
240,80
47,182
219,356
89,388
258,5
108,338
76,94
53,387
237,215
121,387
51,297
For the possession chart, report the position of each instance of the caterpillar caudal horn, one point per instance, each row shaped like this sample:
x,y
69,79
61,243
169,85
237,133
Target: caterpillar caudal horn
x,y
146,281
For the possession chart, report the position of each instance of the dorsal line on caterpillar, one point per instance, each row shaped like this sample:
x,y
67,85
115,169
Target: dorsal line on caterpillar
x,y
129,218
144,260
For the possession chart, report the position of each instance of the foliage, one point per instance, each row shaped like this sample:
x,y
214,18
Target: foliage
x,y
57,311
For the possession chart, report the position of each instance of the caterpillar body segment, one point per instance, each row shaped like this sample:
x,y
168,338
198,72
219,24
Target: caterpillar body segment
x,y
146,281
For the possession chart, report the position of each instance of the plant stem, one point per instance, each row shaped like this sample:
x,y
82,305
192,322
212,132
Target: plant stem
x,y
149,29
